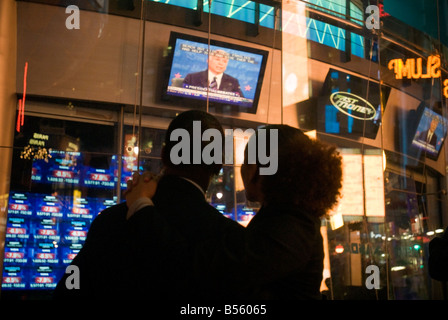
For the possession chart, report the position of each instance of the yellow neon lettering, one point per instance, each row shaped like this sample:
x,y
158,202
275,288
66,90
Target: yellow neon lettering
x,y
435,71
418,66
445,88
413,68
427,75
394,64
406,69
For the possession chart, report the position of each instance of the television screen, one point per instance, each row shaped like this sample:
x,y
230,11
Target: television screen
x,y
103,178
17,228
65,167
350,106
49,206
46,229
14,278
15,252
430,132
44,276
20,204
223,74
75,231
60,167
81,209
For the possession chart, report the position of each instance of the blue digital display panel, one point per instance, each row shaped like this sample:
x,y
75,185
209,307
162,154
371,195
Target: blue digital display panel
x,y
44,232
43,235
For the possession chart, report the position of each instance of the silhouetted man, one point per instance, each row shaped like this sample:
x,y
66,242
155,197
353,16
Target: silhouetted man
x,y
153,255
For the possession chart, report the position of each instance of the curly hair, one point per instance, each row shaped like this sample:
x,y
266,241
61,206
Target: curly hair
x,y
309,172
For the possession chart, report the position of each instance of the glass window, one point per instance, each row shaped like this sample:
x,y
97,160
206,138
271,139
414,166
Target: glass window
x,y
234,9
64,174
312,64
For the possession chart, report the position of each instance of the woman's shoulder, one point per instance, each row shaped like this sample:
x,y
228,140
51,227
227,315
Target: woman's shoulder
x,y
288,212
285,230
283,218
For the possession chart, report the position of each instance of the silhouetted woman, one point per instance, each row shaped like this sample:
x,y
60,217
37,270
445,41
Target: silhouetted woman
x,y
283,245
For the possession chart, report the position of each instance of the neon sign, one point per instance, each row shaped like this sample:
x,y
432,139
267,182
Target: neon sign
x,y
413,69
353,105
445,88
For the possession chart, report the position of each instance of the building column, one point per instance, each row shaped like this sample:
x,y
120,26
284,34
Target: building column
x,y
8,102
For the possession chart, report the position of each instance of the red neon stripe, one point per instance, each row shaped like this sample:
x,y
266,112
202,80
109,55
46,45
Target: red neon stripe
x,y
22,113
19,115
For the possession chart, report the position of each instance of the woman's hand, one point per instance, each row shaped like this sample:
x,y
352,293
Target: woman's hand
x,y
140,186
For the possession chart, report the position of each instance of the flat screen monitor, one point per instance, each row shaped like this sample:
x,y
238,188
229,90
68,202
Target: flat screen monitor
x,y
429,133
193,63
350,106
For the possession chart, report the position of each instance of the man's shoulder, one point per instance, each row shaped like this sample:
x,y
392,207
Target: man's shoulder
x,y
228,77
219,218
114,213
197,74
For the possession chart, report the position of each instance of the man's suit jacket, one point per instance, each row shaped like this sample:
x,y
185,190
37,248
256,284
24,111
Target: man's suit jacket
x,y
110,259
423,137
200,79
95,260
153,254
197,228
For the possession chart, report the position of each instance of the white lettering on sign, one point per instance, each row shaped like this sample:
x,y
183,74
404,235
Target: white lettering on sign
x,y
353,105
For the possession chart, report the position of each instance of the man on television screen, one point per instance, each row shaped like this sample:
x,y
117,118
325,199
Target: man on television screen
x,y
214,77
429,136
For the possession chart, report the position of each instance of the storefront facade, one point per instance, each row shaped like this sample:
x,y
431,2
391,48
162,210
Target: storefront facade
x,y
89,87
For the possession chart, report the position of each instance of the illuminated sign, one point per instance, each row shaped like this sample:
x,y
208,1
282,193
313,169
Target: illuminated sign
x,y
353,105
413,69
445,88
38,139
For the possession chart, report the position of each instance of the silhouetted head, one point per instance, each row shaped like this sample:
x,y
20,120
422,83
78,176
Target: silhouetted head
x,y
174,146
309,173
